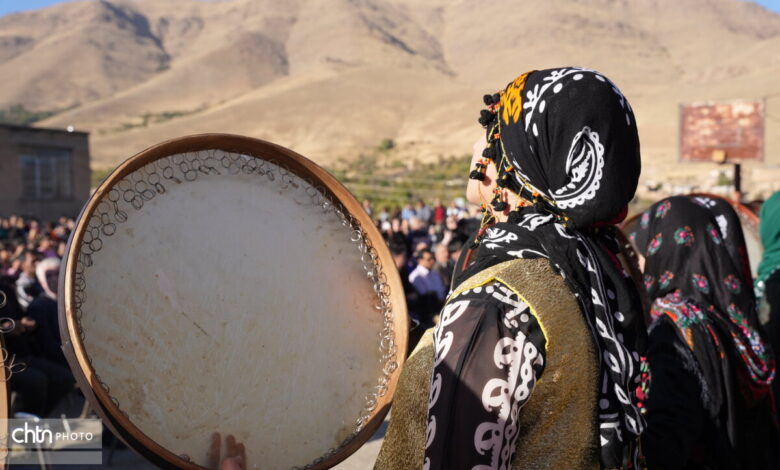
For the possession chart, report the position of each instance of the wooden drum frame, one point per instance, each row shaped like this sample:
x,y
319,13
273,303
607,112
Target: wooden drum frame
x,y
247,157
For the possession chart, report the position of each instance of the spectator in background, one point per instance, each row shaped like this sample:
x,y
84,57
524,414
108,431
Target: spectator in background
x,y
418,233
39,384
710,403
400,257
453,210
439,212
407,212
47,248
384,216
44,311
455,247
17,231
31,288
367,207
424,212
429,285
768,280
444,264
27,287
13,267
6,255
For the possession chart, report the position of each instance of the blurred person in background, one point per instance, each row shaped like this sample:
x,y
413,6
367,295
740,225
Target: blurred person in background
x,y
423,212
418,232
27,286
710,402
5,226
439,212
48,248
768,281
6,254
368,208
39,384
444,263
417,328
43,309
453,210
407,212
429,285
17,230
384,215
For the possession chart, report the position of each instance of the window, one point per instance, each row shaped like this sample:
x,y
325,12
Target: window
x,y
46,173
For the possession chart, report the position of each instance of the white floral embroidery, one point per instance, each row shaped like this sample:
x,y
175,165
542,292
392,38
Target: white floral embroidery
x,y
724,225
704,201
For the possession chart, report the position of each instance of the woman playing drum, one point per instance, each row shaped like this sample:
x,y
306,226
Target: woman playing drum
x,y
542,335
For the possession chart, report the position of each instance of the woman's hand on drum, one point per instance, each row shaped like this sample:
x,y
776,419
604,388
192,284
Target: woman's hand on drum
x,y
235,454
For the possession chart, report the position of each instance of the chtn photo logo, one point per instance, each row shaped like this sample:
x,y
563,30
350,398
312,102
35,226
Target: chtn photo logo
x,y
36,434
35,441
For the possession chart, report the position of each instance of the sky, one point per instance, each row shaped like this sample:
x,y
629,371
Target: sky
x,y
12,6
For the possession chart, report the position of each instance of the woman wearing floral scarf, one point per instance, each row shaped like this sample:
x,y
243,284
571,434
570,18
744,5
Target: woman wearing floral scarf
x,y
535,360
710,400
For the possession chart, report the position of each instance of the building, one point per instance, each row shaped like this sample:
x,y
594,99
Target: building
x,y
44,173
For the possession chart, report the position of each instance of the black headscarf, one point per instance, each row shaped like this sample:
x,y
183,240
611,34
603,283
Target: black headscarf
x,y
696,268
566,141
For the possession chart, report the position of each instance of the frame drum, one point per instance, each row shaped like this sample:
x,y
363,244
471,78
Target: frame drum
x,y
222,283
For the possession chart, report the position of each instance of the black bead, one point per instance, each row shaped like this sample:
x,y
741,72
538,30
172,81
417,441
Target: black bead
x,y
477,175
499,205
496,98
488,100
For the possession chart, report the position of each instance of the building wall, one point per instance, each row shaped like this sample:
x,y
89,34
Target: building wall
x,y
13,139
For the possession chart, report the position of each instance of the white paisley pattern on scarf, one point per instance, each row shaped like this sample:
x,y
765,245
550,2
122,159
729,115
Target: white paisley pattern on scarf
x,y
584,167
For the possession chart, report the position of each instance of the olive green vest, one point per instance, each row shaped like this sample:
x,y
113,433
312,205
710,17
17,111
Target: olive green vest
x,y
558,426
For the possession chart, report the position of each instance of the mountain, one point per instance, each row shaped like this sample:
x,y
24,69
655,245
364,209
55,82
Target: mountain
x,y
332,78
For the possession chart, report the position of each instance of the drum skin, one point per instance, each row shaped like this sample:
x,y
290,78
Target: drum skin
x,y
221,283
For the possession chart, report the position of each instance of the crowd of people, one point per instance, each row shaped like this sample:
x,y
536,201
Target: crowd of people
x,y
30,256
426,242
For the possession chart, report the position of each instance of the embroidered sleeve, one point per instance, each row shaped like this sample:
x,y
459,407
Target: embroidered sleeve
x,y
489,353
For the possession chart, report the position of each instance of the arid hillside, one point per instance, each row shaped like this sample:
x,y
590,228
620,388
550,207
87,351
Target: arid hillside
x,y
333,78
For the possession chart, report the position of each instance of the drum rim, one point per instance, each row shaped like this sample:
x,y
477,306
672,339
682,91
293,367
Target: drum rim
x,y
297,165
